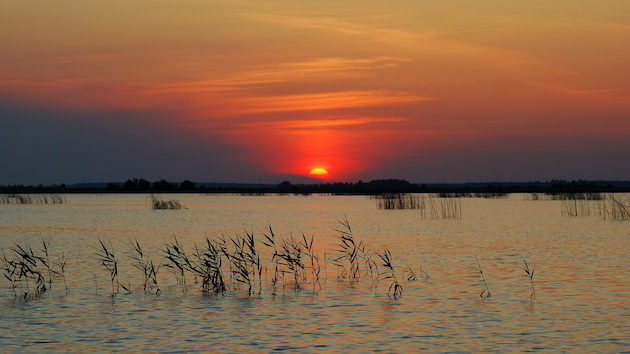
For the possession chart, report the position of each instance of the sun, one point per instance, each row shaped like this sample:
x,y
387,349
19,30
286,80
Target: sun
x,y
319,171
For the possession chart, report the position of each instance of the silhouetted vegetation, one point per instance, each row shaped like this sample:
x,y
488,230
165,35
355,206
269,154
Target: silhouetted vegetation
x,y
398,201
615,209
608,207
530,274
446,206
149,271
347,256
576,196
461,190
159,204
31,199
481,279
31,272
109,260
394,290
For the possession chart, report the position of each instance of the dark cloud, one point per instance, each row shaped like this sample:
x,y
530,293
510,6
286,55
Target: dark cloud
x,y
514,158
54,146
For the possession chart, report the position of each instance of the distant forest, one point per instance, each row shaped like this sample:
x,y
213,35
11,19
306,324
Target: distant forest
x,y
140,185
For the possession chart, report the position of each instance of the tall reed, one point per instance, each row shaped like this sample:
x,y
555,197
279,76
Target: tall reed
x,y
530,274
615,209
576,196
177,261
209,267
398,201
149,270
347,255
395,289
576,207
109,260
32,272
485,292
446,208
26,272
246,263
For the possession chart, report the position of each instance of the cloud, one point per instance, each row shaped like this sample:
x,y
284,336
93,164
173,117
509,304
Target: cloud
x,y
330,123
617,96
68,146
328,100
316,69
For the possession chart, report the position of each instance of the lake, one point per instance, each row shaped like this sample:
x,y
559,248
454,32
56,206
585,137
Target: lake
x,y
581,279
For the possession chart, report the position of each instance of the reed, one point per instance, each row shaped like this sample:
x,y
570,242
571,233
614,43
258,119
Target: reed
x,y
61,264
291,259
530,274
455,195
149,270
31,199
159,204
178,262
109,260
246,265
424,272
395,289
295,257
576,207
347,255
270,241
576,196
25,271
491,195
15,199
31,272
608,207
534,196
45,260
315,265
209,267
445,208
485,292
615,209
410,275
399,201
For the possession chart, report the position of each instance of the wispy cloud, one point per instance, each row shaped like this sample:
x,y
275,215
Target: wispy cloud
x,y
341,26
227,93
330,123
328,100
611,95
263,76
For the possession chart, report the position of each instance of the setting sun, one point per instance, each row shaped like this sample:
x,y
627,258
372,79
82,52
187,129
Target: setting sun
x,y
319,171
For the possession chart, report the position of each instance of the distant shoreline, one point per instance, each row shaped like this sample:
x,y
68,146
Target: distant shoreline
x,y
358,188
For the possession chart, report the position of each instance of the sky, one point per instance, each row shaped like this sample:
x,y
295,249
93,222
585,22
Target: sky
x,y
255,91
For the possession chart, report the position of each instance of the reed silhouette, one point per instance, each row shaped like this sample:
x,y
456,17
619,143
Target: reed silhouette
x,y
159,204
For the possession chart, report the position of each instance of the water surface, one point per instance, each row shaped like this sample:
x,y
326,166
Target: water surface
x,y
582,279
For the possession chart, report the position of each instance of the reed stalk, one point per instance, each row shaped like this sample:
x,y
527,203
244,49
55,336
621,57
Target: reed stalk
x,y
530,274
485,292
395,289
109,261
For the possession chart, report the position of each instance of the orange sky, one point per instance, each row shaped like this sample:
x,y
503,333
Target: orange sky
x,y
357,87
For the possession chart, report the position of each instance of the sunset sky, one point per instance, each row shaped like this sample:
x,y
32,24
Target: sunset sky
x,y
248,91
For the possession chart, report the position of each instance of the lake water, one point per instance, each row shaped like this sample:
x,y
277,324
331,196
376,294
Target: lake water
x,y
582,278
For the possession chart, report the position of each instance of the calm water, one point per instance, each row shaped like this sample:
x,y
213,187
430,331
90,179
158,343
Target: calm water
x,y
582,279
